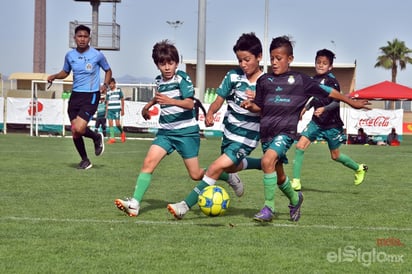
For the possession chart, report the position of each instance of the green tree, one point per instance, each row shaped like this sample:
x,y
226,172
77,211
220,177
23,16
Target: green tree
x,y
394,55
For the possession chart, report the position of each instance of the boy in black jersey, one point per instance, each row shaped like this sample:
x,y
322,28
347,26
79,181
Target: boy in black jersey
x,y
280,97
326,123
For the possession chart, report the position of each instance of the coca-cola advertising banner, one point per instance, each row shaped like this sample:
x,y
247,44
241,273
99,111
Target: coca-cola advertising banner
x,y
374,122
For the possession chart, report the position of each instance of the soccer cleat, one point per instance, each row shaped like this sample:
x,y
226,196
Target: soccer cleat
x,y
265,215
85,164
360,174
130,206
178,210
295,210
111,141
236,184
99,145
296,184
123,137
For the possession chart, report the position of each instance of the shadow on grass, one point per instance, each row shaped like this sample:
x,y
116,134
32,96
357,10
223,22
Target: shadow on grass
x,y
305,189
94,166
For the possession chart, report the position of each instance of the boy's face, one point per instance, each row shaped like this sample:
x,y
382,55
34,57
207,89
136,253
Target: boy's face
x,y
112,85
322,65
167,69
280,60
248,62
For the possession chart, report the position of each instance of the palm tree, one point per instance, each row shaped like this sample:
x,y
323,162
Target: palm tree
x,y
394,55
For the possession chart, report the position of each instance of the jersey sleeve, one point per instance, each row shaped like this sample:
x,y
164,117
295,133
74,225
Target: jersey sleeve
x,y
66,66
225,87
103,62
259,97
186,86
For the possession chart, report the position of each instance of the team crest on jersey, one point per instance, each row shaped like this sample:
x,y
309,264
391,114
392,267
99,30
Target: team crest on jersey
x,y
291,79
241,153
89,66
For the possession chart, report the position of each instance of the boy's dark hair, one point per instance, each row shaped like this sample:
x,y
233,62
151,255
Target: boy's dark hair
x,y
82,27
248,42
112,80
282,41
164,51
327,53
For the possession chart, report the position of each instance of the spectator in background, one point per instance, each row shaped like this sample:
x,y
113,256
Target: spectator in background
x,y
361,138
392,138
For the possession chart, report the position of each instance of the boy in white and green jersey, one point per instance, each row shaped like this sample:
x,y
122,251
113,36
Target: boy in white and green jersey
x,y
114,110
178,127
241,127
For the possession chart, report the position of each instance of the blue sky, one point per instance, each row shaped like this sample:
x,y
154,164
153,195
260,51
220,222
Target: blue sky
x,y
357,28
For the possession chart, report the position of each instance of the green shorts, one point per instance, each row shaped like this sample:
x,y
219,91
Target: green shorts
x,y
187,147
281,145
334,136
234,150
113,115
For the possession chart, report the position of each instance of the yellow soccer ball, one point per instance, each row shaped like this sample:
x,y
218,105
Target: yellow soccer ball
x,y
213,201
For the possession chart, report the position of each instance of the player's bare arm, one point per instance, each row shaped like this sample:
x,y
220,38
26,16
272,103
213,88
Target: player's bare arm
x,y
214,107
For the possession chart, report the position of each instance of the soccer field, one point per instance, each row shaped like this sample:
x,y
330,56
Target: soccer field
x,y
57,219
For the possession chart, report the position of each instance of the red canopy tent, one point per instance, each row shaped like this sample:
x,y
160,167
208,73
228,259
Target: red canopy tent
x,y
383,91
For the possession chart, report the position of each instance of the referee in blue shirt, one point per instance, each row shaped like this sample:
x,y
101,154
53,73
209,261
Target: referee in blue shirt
x,y
85,62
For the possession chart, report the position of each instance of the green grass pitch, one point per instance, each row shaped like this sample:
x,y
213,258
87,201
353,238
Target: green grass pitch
x,y
57,219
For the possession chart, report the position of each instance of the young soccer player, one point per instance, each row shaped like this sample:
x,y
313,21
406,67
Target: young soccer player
x,y
114,110
326,123
85,62
241,127
280,97
178,130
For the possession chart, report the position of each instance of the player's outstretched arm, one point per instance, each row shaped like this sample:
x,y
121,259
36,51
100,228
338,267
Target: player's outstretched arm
x,y
362,103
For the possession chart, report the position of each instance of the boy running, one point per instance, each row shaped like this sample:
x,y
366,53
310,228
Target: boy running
x,y
241,127
280,97
326,123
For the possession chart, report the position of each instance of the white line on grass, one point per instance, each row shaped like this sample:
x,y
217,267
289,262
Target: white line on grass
x,y
183,222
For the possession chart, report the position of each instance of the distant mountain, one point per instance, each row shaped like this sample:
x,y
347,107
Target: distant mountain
x,y
129,79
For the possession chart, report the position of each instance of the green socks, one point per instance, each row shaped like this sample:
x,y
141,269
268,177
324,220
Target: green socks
x,y
269,182
269,187
142,184
224,176
192,198
253,163
288,190
347,161
297,164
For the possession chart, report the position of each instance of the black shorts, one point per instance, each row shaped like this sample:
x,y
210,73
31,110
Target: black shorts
x,y
83,104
